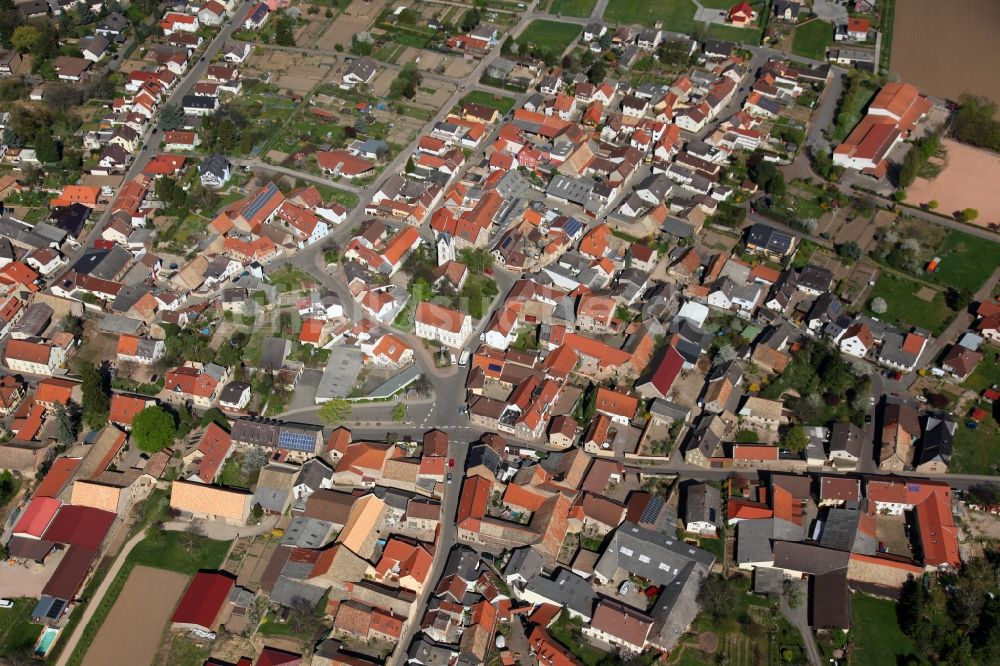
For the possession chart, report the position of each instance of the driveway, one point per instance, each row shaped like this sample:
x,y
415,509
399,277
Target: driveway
x,y
27,580
799,617
830,10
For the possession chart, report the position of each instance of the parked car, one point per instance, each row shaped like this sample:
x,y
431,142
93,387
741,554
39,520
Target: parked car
x,y
6,603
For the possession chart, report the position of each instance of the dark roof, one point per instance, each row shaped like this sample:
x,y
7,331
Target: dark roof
x,y
81,526
718,47
815,277
198,102
481,454
830,601
69,575
846,437
936,444
71,218
773,240
203,598
704,504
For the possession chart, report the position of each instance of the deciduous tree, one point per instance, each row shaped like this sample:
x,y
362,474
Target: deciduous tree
x,y
153,429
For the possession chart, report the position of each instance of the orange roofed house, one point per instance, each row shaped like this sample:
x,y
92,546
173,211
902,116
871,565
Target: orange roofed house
x,y
436,322
891,117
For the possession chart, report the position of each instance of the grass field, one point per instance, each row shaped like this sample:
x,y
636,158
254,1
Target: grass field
x,y
811,39
966,261
17,632
580,8
876,635
501,104
677,15
731,33
987,373
550,34
976,451
905,308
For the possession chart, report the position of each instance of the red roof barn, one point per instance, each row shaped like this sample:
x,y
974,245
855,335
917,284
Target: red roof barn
x,y
202,601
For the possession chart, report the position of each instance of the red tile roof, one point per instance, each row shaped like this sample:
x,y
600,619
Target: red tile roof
x,y
58,476
37,516
214,444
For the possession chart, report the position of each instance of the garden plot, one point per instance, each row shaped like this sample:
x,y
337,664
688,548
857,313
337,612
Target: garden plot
x,y
150,594
356,18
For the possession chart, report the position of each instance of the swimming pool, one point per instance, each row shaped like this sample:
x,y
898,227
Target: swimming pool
x,y
46,640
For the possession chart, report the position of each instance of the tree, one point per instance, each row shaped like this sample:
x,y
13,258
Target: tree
x,y
718,598
153,429
27,39
975,122
958,299
360,47
67,423
849,250
192,535
968,214
9,485
878,305
471,19
335,411
283,34
171,117
214,415
933,204
796,440
598,71
96,393
725,354
399,412
46,148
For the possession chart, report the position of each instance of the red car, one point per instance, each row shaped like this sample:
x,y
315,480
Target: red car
x,y
451,462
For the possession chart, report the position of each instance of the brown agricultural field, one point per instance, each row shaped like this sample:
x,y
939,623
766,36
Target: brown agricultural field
x,y
944,48
135,624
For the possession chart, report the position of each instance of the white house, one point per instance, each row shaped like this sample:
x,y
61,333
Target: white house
x,y
436,322
857,340
36,358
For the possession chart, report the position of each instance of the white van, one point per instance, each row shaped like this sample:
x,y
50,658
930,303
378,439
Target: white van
x,y
464,358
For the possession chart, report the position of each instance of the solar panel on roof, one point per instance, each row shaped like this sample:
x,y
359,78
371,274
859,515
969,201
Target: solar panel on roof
x,y
296,441
651,511
259,202
56,609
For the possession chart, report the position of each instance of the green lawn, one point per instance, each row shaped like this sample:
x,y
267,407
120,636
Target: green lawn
x,y
906,308
550,34
568,633
811,39
731,33
876,635
580,8
976,451
676,15
966,261
498,102
986,373
17,632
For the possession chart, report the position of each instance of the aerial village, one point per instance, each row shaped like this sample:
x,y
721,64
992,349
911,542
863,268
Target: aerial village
x,y
440,333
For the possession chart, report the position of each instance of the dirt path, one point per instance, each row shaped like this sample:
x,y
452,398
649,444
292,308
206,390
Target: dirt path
x,y
88,612
150,594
